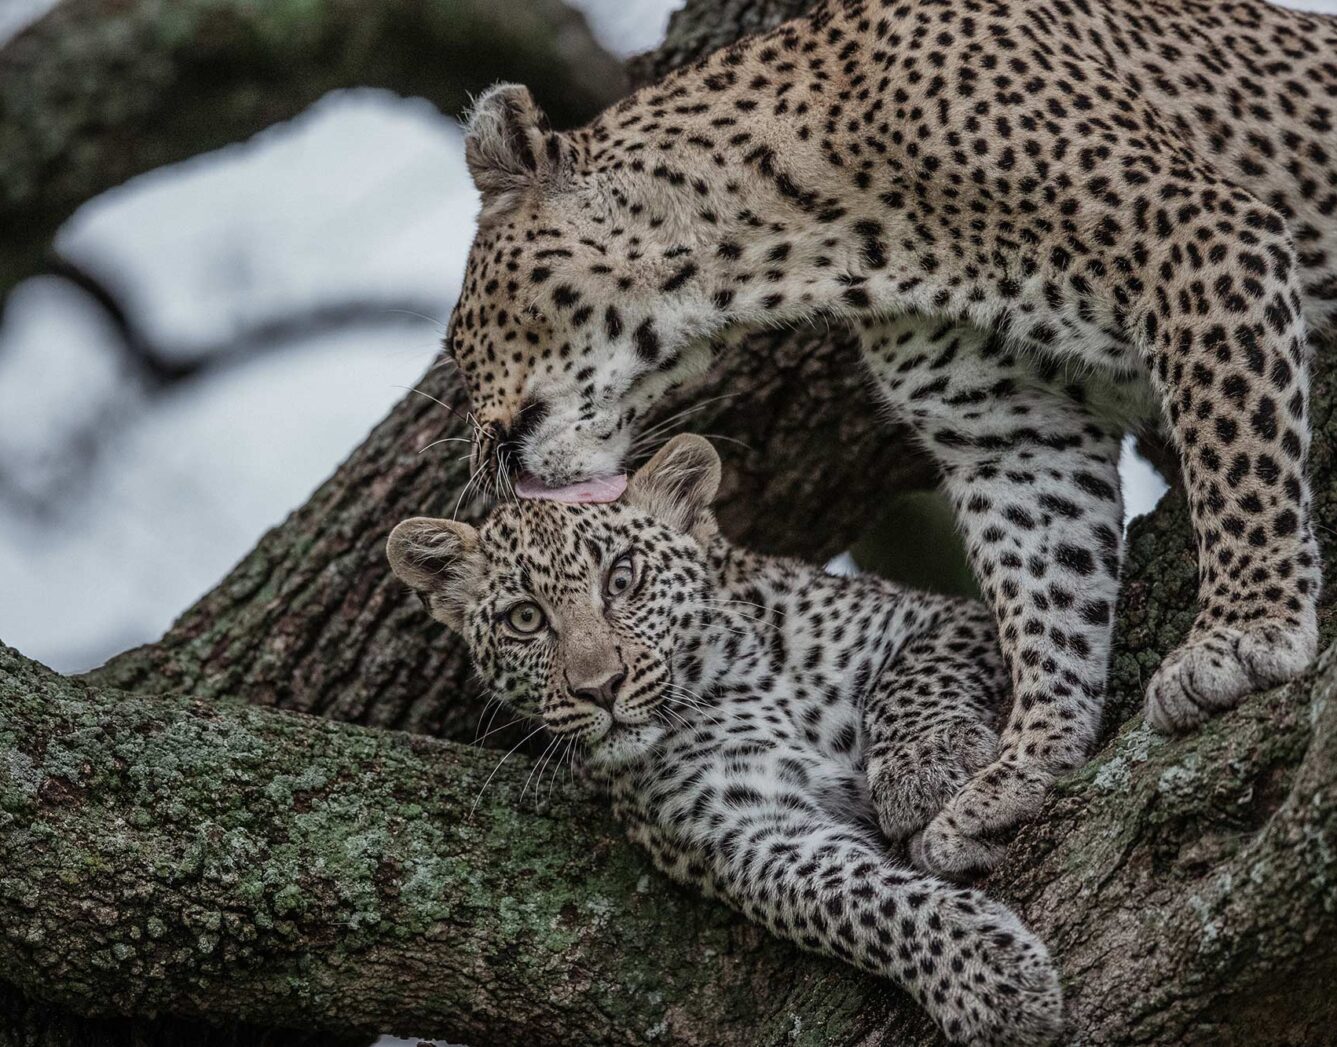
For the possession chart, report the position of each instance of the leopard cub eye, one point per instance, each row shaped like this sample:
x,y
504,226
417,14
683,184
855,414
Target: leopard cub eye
x,y
620,576
525,618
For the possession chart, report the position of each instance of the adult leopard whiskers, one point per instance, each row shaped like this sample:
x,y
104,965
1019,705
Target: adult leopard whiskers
x,y
651,438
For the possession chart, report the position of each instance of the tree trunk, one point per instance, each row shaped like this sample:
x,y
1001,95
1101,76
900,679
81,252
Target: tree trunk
x,y
166,848
25,1022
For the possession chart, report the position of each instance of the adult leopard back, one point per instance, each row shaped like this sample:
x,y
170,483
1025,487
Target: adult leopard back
x,y
1050,220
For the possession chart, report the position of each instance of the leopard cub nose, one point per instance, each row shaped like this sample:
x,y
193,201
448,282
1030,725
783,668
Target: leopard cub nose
x,y
602,693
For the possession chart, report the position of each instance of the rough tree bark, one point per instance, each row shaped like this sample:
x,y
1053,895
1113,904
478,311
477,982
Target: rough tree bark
x,y
168,848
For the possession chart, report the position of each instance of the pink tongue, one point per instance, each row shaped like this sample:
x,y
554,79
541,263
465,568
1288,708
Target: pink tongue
x,y
599,489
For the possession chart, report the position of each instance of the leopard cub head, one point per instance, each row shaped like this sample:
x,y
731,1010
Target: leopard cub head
x,y
580,615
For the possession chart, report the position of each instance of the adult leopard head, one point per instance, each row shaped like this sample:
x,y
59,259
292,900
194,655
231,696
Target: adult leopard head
x,y
586,295
582,616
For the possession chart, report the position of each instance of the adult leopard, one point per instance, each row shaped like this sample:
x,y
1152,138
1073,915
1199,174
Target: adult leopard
x,y
1050,220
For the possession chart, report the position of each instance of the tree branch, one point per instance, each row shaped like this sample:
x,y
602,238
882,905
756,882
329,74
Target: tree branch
x,y
162,366
98,92
214,860
163,855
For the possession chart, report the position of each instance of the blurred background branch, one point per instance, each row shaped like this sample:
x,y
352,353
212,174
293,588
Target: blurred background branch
x,y
99,91
161,366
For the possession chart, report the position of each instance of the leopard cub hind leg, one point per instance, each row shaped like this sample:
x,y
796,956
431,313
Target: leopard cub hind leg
x,y
982,975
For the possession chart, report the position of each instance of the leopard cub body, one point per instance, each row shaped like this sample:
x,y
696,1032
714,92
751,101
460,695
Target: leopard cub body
x,y
769,733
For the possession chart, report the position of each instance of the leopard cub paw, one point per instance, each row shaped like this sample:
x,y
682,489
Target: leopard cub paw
x,y
1008,994
969,835
913,781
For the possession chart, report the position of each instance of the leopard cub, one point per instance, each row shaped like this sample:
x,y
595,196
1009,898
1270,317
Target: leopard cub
x,y
769,733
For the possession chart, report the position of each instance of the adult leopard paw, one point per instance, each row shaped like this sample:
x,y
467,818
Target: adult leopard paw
x,y
1221,666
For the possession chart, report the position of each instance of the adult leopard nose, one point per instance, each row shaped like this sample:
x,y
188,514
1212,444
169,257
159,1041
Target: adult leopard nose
x,y
513,438
601,692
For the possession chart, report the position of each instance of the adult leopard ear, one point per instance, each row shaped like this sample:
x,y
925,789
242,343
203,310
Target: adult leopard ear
x,y
678,485
435,558
509,145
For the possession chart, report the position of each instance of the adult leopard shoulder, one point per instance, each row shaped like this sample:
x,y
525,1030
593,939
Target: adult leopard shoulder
x,y
1050,220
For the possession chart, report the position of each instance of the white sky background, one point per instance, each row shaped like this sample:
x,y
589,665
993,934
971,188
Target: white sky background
x,y
363,196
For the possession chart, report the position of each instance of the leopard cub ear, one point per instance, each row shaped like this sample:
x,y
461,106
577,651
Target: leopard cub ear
x,y
678,485
435,558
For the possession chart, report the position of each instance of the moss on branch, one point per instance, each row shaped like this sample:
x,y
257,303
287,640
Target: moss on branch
x,y
164,855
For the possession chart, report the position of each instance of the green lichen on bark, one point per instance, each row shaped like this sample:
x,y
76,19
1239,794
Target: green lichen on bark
x,y
1170,875
161,854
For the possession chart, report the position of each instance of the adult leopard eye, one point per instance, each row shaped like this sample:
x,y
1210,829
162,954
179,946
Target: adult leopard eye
x,y
620,577
525,618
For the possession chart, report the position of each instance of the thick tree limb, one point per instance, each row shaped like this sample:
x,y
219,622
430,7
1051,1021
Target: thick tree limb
x,y
25,1022
217,860
1186,886
160,854
99,91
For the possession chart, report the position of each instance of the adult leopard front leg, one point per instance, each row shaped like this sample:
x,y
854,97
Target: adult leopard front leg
x,y
1033,475
1225,335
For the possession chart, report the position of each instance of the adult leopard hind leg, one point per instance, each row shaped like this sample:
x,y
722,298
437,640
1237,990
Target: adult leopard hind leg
x,y
931,717
1033,476
1226,341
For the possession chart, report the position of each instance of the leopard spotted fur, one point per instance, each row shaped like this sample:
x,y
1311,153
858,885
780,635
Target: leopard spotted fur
x,y
764,730
1052,221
